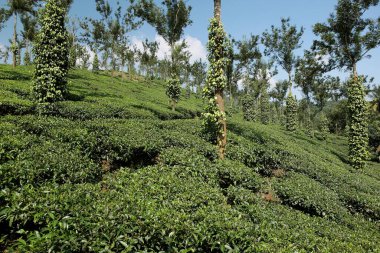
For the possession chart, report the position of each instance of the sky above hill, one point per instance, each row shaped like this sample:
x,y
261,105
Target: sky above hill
x,y
241,18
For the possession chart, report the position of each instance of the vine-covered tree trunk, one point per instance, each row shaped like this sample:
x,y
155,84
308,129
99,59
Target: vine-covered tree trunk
x,y
291,108
291,113
222,134
51,55
358,129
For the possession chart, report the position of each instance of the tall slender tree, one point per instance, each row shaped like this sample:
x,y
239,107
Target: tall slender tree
x,y
198,73
16,8
170,19
280,44
29,23
347,37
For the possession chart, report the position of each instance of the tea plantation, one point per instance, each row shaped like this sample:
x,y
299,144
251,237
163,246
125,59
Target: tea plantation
x,y
113,169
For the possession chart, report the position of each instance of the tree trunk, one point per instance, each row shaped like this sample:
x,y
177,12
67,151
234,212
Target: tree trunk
x,y
14,41
217,9
290,83
222,133
355,72
173,105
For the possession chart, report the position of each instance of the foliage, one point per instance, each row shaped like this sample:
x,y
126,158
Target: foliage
x,y
112,169
347,36
51,56
358,135
281,43
148,58
173,91
199,73
170,20
291,113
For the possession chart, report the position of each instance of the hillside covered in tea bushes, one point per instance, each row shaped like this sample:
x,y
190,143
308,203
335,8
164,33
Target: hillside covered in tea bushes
x,y
114,169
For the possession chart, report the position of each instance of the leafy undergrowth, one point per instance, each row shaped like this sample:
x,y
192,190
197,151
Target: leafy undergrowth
x,y
114,170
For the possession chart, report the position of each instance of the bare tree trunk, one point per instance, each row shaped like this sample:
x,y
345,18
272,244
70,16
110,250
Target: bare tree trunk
x,y
222,134
14,41
355,72
217,9
174,103
290,83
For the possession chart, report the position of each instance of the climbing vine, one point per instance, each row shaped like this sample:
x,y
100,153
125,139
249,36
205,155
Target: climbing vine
x,y
51,55
324,126
249,108
358,126
291,113
216,81
264,107
95,64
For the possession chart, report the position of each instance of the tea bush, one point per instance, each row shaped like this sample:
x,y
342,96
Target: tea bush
x,y
115,170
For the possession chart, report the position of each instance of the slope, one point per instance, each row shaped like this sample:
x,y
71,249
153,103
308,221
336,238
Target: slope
x,y
114,170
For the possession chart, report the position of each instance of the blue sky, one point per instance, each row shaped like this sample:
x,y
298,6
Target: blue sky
x,y
241,17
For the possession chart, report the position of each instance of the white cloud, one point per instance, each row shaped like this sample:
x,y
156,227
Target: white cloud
x,y
79,61
195,47
138,43
2,49
272,82
323,59
163,48
240,84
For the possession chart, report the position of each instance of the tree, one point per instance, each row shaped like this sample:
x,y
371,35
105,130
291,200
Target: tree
x,y
278,93
3,17
51,55
169,20
308,69
230,69
148,57
215,117
108,35
75,48
198,73
173,91
280,44
322,89
248,53
347,37
16,8
181,61
29,23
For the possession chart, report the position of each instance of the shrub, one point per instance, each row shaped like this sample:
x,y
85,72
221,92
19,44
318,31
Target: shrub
x,y
48,162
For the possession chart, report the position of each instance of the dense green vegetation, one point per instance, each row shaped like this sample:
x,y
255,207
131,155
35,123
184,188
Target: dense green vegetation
x,y
114,169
